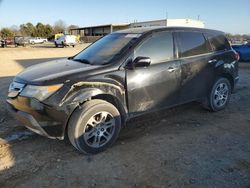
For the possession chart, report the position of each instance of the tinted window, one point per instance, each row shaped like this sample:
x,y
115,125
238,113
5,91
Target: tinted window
x,y
158,47
218,42
191,43
107,48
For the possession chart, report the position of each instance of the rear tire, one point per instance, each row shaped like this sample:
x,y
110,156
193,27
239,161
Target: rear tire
x,y
219,95
94,126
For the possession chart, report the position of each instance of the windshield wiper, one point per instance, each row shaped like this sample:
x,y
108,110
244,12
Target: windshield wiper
x,y
85,61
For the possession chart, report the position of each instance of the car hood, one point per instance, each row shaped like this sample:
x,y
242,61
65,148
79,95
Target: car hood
x,y
56,71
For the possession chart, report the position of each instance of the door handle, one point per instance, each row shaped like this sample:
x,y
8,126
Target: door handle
x,y
212,61
171,69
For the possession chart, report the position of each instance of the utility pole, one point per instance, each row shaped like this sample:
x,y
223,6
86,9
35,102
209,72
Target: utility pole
x,y
166,17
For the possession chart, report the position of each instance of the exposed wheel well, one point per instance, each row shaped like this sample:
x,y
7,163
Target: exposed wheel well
x,y
113,100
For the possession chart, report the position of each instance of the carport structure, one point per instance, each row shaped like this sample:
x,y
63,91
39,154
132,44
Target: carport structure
x,y
92,33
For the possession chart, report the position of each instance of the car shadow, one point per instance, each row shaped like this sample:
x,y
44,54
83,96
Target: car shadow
x,y
43,45
162,120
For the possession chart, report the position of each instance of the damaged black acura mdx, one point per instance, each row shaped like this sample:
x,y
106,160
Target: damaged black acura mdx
x,y
127,73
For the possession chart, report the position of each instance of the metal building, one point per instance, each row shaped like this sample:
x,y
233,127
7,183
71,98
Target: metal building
x,y
92,33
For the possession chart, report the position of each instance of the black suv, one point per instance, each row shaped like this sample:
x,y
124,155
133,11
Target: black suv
x,y
125,74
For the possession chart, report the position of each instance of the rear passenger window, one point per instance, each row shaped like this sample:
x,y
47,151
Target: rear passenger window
x,y
159,47
191,43
218,42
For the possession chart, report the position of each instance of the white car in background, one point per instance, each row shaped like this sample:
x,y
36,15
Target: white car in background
x,y
66,40
37,40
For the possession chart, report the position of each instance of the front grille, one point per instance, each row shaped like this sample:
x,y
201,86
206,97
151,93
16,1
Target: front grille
x,y
15,89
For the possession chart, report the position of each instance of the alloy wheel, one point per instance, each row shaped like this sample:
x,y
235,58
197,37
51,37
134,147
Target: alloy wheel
x,y
99,129
221,95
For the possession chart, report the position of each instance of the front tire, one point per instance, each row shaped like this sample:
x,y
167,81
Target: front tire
x,y
94,127
219,95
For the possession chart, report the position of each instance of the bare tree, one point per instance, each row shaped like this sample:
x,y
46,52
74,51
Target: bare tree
x,y
59,26
15,29
72,27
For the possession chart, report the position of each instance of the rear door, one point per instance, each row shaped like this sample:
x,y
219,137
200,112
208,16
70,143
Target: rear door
x,y
197,72
156,86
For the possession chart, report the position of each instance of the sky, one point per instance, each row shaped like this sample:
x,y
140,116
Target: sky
x,y
230,16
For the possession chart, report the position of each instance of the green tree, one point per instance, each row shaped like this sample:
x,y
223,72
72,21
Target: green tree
x,y
43,30
27,29
48,31
40,30
6,33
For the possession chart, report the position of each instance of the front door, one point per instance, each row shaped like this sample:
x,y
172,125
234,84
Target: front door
x,y
155,86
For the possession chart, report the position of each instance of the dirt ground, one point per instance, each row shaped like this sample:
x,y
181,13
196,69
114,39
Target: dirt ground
x,y
186,146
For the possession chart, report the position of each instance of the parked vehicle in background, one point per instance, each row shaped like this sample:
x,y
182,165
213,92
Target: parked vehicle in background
x,y
3,43
243,51
6,42
90,96
66,40
21,41
56,36
37,40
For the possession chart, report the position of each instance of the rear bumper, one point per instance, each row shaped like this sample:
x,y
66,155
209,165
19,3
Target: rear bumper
x,y
236,80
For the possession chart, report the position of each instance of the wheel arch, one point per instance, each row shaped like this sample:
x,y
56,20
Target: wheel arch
x,y
102,96
116,102
230,79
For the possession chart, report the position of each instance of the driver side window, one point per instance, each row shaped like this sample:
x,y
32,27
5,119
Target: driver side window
x,y
159,47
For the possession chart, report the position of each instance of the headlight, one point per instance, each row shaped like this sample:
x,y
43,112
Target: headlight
x,y
40,92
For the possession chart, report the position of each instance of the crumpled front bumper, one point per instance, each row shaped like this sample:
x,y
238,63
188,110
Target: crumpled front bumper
x,y
40,118
29,121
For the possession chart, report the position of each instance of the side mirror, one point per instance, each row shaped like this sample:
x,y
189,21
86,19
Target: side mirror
x,y
142,61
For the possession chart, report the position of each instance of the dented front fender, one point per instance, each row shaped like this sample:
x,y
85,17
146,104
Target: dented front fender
x,y
82,91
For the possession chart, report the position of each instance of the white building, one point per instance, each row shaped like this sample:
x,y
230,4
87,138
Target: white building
x,y
170,23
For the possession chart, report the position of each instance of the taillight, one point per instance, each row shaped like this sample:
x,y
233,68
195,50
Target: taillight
x,y
236,56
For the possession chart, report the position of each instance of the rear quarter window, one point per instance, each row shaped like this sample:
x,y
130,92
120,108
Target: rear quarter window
x,y
191,44
218,42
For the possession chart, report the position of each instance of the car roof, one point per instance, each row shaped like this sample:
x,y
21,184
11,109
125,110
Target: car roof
x,y
142,30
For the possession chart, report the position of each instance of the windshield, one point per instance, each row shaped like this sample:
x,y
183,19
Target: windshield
x,y
106,49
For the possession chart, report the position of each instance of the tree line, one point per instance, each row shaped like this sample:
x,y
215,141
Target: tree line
x,y
38,30
238,37
47,31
